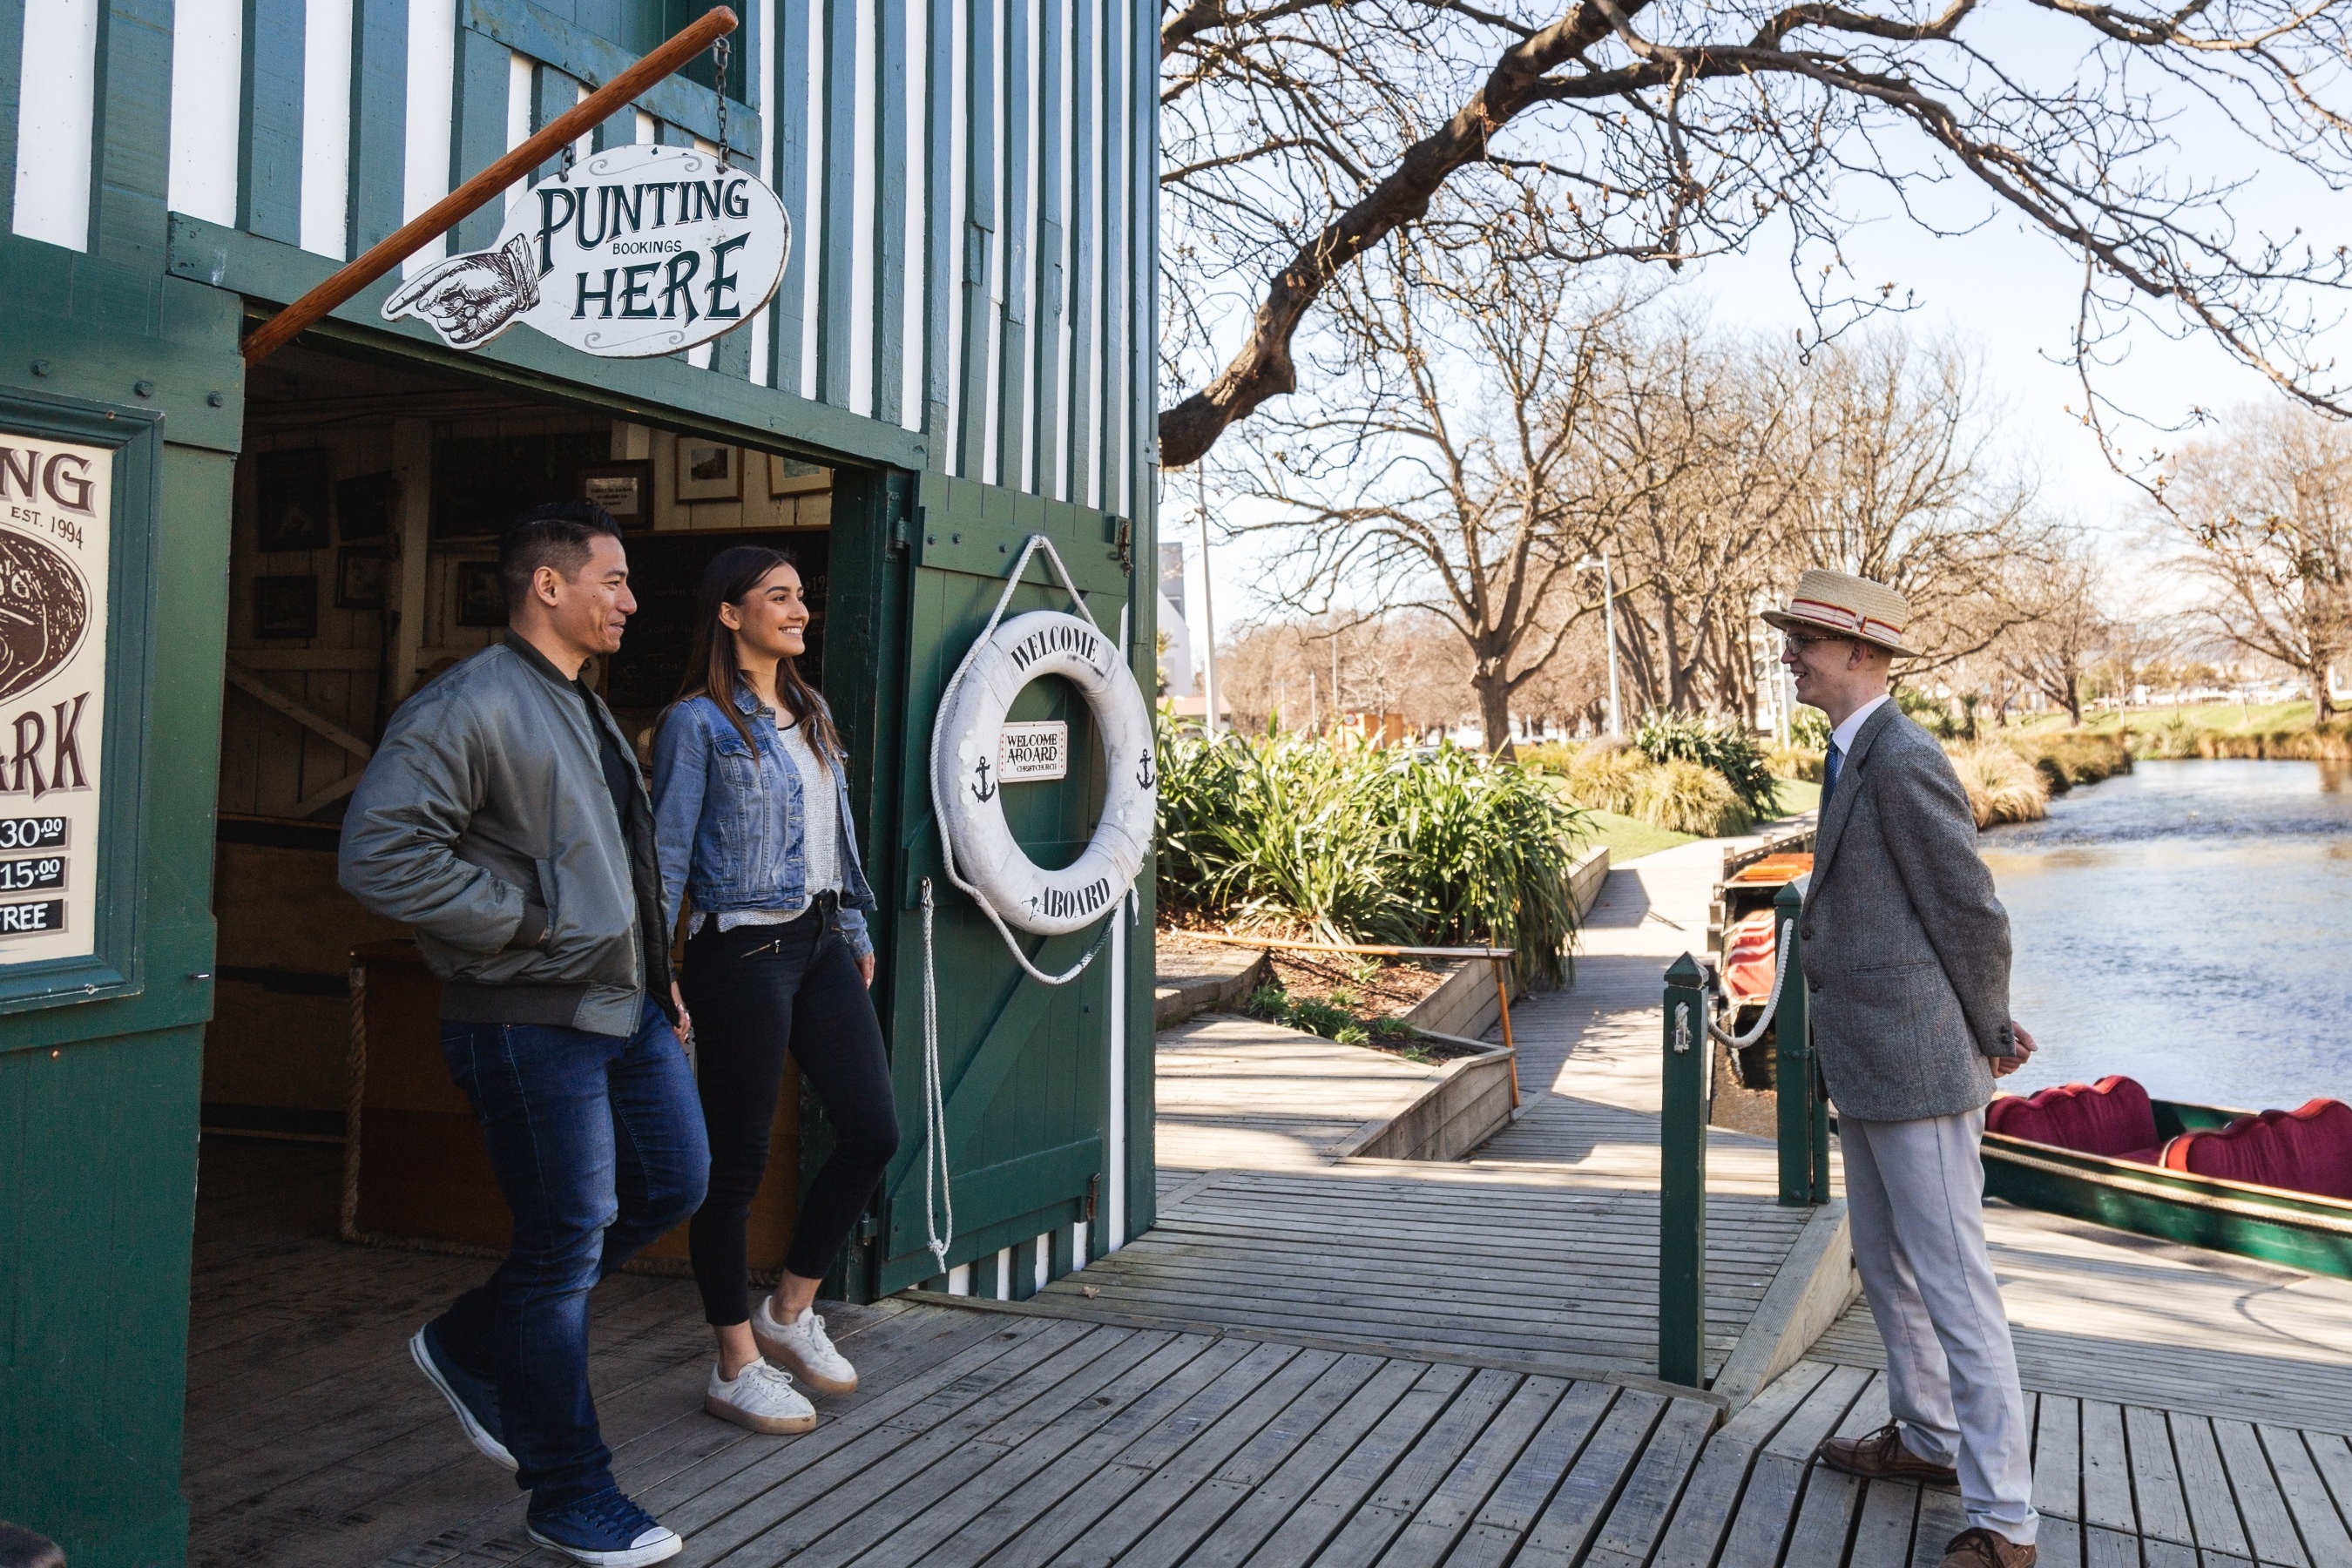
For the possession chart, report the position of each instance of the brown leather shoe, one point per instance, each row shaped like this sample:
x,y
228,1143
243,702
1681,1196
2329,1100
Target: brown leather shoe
x,y
1880,1456
1983,1548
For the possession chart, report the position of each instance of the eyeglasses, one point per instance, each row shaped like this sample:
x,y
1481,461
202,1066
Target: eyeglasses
x,y
1797,642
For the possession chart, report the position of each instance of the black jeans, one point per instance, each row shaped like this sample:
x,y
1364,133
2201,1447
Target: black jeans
x,y
753,992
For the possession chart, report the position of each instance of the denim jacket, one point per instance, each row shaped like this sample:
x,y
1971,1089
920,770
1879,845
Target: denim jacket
x,y
728,820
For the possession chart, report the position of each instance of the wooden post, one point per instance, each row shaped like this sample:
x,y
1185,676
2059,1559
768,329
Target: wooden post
x,y
487,186
1801,1124
1682,1180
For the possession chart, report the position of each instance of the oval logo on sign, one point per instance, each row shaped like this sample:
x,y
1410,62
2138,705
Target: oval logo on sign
x,y
640,251
44,611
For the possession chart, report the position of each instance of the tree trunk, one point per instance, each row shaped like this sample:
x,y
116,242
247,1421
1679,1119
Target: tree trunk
x,y
1493,710
2074,703
2323,704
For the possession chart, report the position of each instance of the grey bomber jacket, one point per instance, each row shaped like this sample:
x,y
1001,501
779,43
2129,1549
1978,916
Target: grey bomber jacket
x,y
1905,948
484,822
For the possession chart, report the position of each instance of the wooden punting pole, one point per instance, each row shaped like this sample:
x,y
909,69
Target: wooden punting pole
x,y
485,187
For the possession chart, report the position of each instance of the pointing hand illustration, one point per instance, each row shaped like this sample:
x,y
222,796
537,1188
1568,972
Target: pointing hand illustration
x,y
470,299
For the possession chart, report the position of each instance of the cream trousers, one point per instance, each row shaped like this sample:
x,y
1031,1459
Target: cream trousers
x,y
1915,1192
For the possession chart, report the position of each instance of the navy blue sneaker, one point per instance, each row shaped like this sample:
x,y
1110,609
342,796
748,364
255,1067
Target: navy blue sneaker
x,y
606,1530
475,1399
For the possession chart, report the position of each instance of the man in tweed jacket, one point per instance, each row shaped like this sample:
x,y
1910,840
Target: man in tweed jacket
x,y
1907,965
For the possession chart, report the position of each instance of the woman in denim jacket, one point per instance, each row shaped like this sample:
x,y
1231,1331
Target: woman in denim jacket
x,y
751,823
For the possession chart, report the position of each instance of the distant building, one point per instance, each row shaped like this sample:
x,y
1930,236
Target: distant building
x,y
1175,632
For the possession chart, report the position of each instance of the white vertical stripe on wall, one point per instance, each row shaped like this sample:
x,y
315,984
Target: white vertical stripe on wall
x,y
1057,348
956,103
327,127
960,1279
991,335
864,172
763,72
1097,321
519,76
813,269
207,61
1020,466
1044,1258
647,131
1004,1274
432,88
918,190
56,100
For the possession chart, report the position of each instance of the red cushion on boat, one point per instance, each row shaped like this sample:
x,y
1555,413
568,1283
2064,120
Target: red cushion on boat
x,y
2307,1150
2110,1117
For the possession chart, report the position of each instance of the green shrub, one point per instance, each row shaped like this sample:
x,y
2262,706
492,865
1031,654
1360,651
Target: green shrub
x,y
1439,847
1809,730
1688,797
1797,763
2002,783
1724,746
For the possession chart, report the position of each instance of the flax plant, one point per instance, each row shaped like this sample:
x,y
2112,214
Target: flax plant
x,y
1437,848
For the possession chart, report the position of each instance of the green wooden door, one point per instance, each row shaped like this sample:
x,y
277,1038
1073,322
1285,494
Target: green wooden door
x,y
1024,1065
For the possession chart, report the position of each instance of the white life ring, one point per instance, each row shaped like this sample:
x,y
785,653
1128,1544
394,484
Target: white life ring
x,y
987,860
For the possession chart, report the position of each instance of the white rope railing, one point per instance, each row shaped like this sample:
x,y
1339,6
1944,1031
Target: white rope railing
x,y
1771,1001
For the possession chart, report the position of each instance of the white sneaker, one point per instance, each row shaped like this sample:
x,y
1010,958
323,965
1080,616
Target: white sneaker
x,y
760,1397
802,1347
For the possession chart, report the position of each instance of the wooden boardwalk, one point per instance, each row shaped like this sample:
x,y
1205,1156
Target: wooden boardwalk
x,y
1312,1360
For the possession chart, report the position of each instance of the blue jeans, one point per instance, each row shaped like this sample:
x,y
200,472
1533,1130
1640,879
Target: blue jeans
x,y
599,1147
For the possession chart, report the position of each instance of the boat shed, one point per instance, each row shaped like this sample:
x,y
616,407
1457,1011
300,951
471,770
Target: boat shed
x,y
216,584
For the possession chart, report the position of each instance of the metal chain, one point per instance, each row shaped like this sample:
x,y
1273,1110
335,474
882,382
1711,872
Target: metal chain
x,y
720,52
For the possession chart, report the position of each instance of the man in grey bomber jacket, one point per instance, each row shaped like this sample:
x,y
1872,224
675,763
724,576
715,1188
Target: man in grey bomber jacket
x,y
503,818
1906,969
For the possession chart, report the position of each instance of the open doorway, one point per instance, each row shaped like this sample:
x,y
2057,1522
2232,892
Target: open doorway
x,y
368,502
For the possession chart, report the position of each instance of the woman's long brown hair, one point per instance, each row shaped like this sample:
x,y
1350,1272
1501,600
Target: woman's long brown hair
x,y
711,668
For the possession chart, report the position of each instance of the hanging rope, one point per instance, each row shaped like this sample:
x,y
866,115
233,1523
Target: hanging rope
x,y
1771,1001
935,1109
938,738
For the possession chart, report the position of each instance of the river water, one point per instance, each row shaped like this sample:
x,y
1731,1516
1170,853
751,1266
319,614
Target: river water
x,y
2188,924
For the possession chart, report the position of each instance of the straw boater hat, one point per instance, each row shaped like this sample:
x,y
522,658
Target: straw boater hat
x,y
1847,607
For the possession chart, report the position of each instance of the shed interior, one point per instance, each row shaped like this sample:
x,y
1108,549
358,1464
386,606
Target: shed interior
x,y
368,502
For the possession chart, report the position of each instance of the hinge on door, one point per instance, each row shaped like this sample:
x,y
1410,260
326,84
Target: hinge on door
x,y
902,532
869,1227
1094,1187
1126,541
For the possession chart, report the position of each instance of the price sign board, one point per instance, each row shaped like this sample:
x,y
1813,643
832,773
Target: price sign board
x,y
1032,753
55,501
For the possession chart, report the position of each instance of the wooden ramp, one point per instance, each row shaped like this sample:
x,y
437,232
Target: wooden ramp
x,y
1492,1265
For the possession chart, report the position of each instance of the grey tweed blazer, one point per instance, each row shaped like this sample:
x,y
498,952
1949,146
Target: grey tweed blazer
x,y
1905,949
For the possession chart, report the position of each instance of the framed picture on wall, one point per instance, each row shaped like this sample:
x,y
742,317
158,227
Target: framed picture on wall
x,y
286,606
361,573
625,489
791,477
363,507
480,601
296,490
708,471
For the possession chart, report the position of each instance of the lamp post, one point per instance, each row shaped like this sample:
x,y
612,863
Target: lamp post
x,y
1609,617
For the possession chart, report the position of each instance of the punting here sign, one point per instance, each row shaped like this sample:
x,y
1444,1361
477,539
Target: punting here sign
x,y
636,252
56,506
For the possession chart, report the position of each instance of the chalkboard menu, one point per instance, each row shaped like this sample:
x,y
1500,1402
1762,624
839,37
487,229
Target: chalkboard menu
x,y
664,571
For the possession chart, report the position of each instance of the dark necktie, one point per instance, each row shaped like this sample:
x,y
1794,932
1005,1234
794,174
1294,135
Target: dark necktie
x,y
1830,777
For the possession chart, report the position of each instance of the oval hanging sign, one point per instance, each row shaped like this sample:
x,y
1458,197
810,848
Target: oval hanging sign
x,y
640,251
